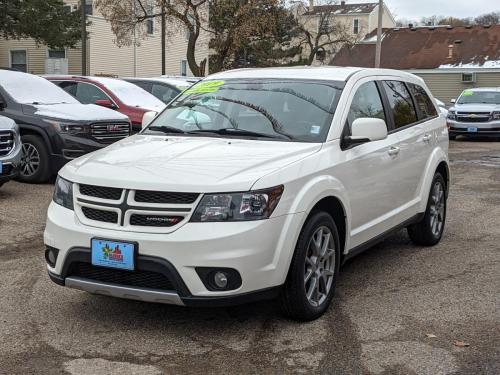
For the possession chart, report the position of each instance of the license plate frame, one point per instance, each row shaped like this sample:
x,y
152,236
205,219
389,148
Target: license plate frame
x,y
119,254
1,167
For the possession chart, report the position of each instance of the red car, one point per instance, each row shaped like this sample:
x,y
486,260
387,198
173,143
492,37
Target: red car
x,y
113,93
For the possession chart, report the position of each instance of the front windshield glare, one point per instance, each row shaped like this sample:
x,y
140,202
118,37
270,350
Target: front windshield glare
x,y
285,110
479,97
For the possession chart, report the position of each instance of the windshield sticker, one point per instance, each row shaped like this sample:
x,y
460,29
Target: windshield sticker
x,y
315,129
206,87
468,93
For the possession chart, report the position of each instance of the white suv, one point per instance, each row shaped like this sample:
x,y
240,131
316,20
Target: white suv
x,y
254,184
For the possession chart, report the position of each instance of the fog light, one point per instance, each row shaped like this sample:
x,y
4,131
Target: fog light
x,y
220,279
51,256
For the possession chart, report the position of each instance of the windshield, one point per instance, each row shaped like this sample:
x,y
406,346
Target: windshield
x,y
286,110
479,97
30,89
130,94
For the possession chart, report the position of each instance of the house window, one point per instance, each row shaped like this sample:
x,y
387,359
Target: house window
x,y
57,53
88,7
191,21
184,68
67,8
150,22
355,26
18,60
468,77
324,27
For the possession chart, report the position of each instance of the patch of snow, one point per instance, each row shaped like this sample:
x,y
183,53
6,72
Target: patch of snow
x,y
27,88
485,65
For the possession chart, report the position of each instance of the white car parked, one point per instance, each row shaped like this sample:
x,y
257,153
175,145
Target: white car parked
x,y
254,184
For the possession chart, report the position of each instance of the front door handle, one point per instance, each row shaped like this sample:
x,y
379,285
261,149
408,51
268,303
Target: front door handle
x,y
393,151
427,138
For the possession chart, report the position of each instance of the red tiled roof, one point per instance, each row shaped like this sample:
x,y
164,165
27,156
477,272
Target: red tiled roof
x,y
343,8
427,48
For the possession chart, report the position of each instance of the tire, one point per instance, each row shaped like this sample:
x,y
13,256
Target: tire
x,y
34,152
452,137
294,300
428,231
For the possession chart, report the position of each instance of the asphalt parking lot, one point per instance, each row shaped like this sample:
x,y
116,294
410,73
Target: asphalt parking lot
x,y
399,309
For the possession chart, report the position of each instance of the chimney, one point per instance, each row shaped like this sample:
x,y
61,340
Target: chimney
x,y
311,5
342,3
450,51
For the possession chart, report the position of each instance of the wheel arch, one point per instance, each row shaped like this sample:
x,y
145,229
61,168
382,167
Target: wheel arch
x,y
33,130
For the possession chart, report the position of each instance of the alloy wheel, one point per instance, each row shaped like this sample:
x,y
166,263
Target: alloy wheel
x,y
319,266
437,209
30,161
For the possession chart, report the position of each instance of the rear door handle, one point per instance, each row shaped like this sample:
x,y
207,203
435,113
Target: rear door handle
x,y
393,151
427,138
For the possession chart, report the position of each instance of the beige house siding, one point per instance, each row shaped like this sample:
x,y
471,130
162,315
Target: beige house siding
x,y
448,85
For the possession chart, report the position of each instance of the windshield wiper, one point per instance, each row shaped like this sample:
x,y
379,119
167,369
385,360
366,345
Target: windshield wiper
x,y
166,129
242,132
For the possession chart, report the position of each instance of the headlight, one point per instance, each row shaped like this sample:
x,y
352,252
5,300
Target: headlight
x,y
252,205
68,127
63,193
495,115
452,115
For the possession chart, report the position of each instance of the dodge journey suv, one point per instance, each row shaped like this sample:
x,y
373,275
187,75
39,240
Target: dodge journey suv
x,y
254,184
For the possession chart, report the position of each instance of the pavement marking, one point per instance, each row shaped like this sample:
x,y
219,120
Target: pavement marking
x,y
97,366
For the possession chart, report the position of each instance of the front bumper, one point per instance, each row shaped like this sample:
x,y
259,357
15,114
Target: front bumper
x,y
259,250
11,165
482,129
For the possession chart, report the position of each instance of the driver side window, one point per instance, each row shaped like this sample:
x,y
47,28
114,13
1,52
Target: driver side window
x,y
366,103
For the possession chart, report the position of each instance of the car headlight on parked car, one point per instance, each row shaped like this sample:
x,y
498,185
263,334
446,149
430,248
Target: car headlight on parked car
x,y
68,127
452,115
252,205
63,193
495,115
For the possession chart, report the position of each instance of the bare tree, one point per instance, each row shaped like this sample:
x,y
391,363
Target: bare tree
x,y
321,33
188,15
492,18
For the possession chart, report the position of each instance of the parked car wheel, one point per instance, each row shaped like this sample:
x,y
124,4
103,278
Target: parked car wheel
x,y
312,277
452,137
35,160
429,230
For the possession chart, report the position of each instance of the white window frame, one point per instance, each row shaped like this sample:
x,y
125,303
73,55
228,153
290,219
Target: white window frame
x,y
355,27
65,53
150,9
18,49
184,62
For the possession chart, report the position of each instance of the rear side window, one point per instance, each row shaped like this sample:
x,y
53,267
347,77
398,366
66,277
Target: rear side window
x,y
401,103
69,87
422,101
89,94
366,103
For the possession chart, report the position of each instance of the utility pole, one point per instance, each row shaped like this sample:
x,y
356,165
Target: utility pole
x,y
84,37
378,48
163,26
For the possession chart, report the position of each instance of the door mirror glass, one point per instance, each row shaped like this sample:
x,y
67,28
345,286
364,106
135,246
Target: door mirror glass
x,y
105,103
453,101
368,129
147,118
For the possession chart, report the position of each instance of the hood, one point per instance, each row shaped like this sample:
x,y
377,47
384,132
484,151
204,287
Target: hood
x,y
185,164
74,112
476,107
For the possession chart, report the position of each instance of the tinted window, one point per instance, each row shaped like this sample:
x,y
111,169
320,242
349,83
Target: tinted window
x,y
285,109
366,103
164,93
69,87
401,103
423,102
88,94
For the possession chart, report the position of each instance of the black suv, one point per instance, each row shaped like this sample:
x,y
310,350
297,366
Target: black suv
x,y
55,127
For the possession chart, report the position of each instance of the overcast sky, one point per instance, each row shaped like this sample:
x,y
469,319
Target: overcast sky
x,y
414,9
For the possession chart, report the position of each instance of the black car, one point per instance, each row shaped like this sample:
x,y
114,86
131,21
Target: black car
x,y
165,89
55,127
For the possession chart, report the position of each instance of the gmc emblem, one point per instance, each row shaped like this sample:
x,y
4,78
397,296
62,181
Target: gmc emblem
x,y
113,128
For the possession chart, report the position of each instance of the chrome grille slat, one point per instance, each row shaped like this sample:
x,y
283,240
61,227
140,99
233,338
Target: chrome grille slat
x,y
109,132
6,142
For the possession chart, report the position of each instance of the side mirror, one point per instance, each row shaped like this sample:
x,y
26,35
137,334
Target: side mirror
x,y
367,129
453,101
148,117
105,103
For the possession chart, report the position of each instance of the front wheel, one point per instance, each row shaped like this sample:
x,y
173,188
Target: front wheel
x,y
35,166
429,230
313,272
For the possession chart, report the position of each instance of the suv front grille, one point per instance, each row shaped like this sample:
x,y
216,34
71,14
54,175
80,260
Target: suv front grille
x,y
100,215
101,192
109,133
165,197
473,116
138,278
6,142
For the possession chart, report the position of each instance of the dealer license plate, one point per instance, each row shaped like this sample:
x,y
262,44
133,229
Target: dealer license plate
x,y
113,254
